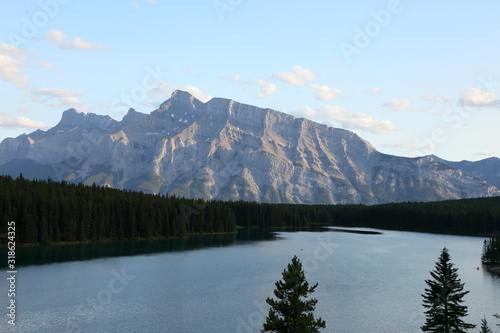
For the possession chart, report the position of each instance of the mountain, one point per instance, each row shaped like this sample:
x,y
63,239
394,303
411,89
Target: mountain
x,y
487,169
227,150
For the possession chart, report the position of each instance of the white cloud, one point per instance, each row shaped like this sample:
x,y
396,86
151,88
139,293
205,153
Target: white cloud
x,y
398,104
298,77
236,78
410,146
59,39
11,61
59,98
153,2
477,97
436,99
307,112
325,93
266,88
45,64
164,90
12,122
56,92
23,109
484,153
373,90
348,119
135,4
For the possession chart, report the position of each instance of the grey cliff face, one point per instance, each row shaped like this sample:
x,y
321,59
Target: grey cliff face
x,y
226,150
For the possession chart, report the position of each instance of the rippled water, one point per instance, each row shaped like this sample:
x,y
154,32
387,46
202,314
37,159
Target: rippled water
x,y
367,283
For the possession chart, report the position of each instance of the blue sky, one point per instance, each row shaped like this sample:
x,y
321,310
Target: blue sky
x,y
411,77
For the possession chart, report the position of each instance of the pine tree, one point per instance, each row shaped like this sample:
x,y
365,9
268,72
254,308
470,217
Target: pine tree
x,y
484,326
289,313
484,253
443,299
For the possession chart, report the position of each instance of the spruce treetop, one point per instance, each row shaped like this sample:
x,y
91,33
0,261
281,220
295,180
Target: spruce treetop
x,y
291,311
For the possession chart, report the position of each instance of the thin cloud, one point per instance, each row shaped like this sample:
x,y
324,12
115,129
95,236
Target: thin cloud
x,y
373,90
477,97
12,122
348,119
45,64
164,90
266,88
325,93
59,98
59,39
23,109
436,99
11,61
151,2
298,77
398,104
410,146
307,112
484,153
56,92
236,78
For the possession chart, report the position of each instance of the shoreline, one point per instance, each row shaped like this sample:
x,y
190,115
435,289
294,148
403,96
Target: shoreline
x,y
492,268
107,240
103,241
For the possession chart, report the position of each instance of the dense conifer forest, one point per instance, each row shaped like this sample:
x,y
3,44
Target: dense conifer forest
x,y
491,251
48,212
480,216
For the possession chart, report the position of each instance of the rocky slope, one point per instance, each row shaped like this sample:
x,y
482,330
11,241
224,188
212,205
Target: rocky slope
x,y
487,169
226,150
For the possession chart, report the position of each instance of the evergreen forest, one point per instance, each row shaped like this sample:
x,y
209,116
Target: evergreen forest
x,y
48,212
491,251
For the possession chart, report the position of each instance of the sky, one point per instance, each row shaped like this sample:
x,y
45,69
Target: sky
x,y
411,77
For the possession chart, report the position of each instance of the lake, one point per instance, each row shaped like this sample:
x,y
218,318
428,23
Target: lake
x,y
219,283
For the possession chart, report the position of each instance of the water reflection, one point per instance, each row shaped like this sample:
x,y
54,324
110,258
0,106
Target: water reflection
x,y
79,252
41,255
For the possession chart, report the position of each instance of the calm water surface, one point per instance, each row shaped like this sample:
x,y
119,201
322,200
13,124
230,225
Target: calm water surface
x,y
367,283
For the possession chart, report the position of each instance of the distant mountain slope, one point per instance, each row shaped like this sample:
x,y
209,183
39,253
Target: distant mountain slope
x,y
226,150
487,169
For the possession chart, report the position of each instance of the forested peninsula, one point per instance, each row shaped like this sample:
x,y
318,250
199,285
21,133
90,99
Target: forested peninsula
x,y
48,212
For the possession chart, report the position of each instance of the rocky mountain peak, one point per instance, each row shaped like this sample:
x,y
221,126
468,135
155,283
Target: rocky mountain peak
x,y
132,116
71,117
180,100
227,150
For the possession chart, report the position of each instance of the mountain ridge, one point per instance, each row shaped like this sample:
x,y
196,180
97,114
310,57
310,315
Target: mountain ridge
x,y
226,150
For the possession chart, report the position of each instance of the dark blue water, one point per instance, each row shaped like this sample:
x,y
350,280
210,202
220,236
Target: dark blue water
x,y
367,283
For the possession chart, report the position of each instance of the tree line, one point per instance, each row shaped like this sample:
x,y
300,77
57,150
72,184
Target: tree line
x,y
48,212
491,251
479,216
